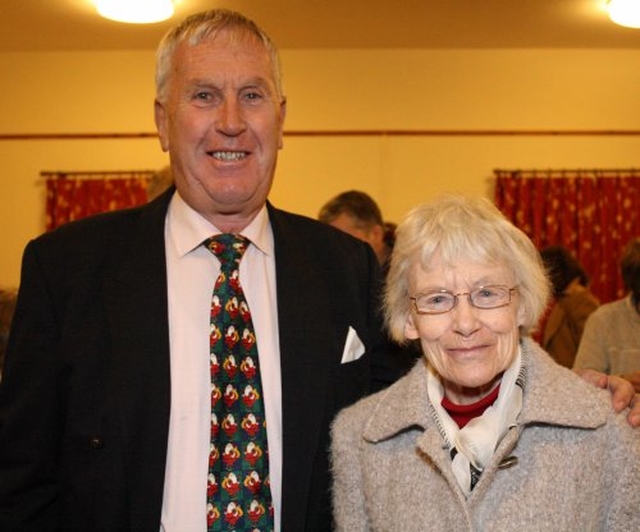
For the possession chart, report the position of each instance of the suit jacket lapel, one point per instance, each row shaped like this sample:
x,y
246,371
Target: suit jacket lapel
x,y
304,365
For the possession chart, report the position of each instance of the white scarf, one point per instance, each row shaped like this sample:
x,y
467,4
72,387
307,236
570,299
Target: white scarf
x,y
475,443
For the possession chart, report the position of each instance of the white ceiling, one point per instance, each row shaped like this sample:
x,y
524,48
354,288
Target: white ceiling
x,y
36,25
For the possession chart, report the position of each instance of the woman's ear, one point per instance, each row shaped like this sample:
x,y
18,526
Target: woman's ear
x,y
410,329
522,315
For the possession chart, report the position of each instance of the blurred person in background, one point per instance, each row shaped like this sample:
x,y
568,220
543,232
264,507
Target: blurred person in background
x,y
611,339
356,213
573,302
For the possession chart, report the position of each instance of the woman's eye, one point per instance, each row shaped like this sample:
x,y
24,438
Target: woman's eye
x,y
435,301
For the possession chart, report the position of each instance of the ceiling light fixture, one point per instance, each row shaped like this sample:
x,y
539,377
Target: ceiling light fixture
x,y
135,11
625,12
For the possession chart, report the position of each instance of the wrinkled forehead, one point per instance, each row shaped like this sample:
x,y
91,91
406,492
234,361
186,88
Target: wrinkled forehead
x,y
474,265
453,253
224,44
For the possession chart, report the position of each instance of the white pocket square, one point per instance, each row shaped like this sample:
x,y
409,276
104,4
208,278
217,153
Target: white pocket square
x,y
353,347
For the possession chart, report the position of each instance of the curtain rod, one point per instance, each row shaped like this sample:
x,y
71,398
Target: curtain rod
x,y
564,171
350,133
62,174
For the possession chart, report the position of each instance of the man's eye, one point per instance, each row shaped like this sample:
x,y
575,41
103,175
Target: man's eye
x,y
252,95
202,96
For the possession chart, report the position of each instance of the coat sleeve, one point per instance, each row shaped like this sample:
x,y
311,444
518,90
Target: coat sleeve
x,y
348,499
622,483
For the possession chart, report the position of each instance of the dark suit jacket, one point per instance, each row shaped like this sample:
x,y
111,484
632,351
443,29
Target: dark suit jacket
x,y
84,402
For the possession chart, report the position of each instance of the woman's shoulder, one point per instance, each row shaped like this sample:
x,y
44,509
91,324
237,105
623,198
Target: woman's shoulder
x,y
390,411
359,412
557,395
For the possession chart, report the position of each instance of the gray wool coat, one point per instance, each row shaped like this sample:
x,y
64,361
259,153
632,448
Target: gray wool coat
x,y
570,464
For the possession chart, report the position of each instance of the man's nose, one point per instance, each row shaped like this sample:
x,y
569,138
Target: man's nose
x,y
230,119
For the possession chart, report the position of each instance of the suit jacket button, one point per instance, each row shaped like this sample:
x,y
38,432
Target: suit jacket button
x,y
96,442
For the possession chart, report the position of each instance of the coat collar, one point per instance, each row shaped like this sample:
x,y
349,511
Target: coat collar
x,y
549,387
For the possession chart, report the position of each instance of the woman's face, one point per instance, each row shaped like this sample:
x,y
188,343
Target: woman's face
x,y
469,347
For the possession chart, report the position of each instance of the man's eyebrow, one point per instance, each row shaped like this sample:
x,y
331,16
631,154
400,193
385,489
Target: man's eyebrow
x,y
200,82
258,81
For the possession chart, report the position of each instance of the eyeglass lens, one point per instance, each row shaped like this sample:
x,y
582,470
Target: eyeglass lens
x,y
485,297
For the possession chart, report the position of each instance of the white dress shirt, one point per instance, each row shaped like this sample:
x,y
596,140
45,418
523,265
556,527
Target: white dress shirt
x,y
191,272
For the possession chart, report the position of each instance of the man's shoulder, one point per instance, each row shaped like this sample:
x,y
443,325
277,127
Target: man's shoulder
x,y
102,225
607,311
584,298
91,240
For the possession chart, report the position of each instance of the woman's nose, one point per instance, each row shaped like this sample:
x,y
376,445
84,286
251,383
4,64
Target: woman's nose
x,y
465,316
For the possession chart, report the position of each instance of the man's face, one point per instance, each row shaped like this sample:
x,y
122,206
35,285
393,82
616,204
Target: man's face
x,y
373,236
347,224
222,125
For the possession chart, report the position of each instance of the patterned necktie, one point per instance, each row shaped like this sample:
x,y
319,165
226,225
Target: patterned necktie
x,y
238,489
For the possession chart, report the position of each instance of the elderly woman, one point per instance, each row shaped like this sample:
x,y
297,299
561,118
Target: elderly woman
x,y
489,433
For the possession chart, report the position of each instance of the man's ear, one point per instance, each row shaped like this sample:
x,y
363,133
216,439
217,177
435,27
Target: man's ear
x,y
283,114
378,231
377,236
160,116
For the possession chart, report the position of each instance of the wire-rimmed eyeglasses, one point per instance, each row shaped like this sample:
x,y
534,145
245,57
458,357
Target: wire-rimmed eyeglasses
x,y
443,301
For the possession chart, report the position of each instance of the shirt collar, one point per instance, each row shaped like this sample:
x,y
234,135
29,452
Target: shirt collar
x,y
189,228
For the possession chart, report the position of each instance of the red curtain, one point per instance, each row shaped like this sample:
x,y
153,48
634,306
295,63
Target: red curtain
x,y
76,195
593,213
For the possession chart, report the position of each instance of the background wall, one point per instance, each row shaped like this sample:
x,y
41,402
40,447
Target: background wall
x,y
375,91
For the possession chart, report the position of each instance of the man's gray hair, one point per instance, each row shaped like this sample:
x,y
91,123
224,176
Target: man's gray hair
x,y
201,26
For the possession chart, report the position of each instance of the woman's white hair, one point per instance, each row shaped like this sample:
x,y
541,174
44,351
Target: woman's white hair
x,y
458,228
201,26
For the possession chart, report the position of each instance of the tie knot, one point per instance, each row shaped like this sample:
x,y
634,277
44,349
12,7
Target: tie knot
x,y
228,247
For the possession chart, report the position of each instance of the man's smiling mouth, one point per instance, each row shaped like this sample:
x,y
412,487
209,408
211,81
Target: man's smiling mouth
x,y
228,156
